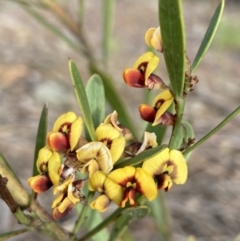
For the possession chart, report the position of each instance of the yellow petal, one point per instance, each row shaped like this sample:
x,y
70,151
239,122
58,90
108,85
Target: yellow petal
x,y
156,41
180,174
53,166
68,117
65,204
152,65
161,103
43,158
75,132
90,167
145,184
112,139
101,203
155,164
58,200
123,175
97,151
64,186
113,191
73,198
148,36
96,181
144,58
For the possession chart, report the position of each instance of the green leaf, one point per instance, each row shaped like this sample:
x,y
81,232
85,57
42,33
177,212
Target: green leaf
x,y
82,99
140,158
41,137
114,99
161,215
5,236
40,141
94,219
55,30
119,227
137,212
173,38
96,99
108,14
116,214
208,37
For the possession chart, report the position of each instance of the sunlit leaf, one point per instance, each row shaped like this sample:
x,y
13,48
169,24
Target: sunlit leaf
x,y
82,99
209,35
41,136
173,38
96,99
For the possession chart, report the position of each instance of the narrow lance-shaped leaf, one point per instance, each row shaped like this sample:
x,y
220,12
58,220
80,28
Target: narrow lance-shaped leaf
x,y
41,136
82,99
114,99
173,38
108,13
54,29
96,99
209,35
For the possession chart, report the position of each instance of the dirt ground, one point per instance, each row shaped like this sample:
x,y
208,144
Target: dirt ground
x,y
34,70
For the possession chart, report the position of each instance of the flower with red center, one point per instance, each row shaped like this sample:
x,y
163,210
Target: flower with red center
x,y
153,39
66,132
167,167
112,138
109,190
141,75
48,164
134,180
157,113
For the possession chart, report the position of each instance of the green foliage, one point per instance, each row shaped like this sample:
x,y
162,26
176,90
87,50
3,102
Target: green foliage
x,y
209,35
92,105
82,99
96,99
173,38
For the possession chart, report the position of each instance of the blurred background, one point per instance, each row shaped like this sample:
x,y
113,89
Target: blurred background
x,y
34,71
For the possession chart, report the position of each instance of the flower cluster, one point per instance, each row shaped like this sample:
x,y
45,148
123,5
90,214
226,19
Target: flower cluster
x,y
69,160
142,76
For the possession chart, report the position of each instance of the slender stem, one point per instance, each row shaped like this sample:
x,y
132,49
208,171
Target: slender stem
x,y
213,131
102,225
180,103
80,220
